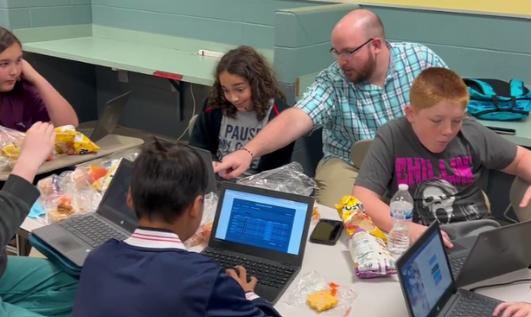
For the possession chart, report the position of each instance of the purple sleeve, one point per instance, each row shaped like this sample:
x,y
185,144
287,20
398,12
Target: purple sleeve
x,y
33,101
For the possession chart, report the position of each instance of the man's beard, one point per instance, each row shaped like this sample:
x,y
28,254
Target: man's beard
x,y
358,76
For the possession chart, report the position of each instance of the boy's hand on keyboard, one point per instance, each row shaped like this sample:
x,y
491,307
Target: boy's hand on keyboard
x,y
513,310
240,276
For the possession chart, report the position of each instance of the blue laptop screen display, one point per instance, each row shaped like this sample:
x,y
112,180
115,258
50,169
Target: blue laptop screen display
x,y
262,221
426,276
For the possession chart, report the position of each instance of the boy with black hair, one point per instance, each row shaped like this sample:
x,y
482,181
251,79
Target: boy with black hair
x,y
151,273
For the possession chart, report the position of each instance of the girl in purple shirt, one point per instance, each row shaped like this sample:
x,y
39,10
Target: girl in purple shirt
x,y
25,96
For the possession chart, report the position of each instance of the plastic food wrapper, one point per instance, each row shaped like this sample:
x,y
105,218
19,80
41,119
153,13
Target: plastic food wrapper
x,y
289,178
209,212
310,289
370,255
10,146
353,214
65,195
99,173
71,142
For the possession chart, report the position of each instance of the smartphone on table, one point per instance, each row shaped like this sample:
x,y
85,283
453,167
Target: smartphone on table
x,y
327,231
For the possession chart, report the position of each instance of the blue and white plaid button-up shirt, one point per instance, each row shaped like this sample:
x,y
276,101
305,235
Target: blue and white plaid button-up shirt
x,y
349,113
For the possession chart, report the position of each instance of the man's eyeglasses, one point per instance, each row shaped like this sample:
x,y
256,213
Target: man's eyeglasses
x,y
348,53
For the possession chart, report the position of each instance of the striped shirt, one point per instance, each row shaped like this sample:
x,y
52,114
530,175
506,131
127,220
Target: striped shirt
x,y
349,113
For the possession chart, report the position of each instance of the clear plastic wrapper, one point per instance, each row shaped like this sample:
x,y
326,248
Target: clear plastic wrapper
x,y
66,195
289,178
319,295
99,173
209,212
370,255
10,145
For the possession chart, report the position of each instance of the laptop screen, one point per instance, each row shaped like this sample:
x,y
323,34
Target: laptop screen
x,y
262,221
114,206
426,276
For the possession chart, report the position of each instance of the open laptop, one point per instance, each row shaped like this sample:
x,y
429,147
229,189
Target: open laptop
x,y
76,237
214,181
109,118
506,250
428,285
263,230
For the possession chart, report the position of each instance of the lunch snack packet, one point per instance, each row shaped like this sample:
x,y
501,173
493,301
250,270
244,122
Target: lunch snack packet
x,y
353,214
72,142
370,255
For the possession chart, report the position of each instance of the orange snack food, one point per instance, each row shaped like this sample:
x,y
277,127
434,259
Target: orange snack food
x,y
322,300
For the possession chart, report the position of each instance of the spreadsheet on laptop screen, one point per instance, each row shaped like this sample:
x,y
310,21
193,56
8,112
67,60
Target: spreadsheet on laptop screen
x,y
262,221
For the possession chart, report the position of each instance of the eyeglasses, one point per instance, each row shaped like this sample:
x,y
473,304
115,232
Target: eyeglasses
x,y
348,53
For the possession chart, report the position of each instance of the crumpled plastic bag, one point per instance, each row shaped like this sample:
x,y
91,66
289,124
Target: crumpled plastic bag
x,y
370,255
99,173
202,234
289,178
313,282
10,146
66,195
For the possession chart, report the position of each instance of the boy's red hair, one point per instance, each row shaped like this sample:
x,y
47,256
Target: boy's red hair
x,y
437,84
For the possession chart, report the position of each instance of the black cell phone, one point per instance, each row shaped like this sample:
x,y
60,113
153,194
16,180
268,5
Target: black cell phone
x,y
506,131
327,231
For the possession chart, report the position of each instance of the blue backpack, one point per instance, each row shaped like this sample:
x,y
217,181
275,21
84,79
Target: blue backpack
x,y
493,99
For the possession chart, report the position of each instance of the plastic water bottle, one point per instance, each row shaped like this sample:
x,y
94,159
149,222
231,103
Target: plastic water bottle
x,y
402,213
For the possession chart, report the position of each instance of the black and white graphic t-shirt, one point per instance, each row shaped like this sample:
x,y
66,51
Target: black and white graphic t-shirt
x,y
236,132
445,186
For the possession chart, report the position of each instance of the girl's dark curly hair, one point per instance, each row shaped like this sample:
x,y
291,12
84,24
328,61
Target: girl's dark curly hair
x,y
247,63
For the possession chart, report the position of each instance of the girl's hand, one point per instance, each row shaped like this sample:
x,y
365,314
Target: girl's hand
x,y
29,73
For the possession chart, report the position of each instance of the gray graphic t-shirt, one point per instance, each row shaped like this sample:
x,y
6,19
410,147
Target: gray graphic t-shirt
x,y
236,132
445,186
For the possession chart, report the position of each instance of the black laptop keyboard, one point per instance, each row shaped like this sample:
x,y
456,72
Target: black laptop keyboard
x,y
92,230
456,264
266,274
471,304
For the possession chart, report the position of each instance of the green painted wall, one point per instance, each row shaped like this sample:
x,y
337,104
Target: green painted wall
x,y
236,22
18,14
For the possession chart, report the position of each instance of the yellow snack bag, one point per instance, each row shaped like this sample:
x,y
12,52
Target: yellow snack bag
x,y
71,142
352,213
102,183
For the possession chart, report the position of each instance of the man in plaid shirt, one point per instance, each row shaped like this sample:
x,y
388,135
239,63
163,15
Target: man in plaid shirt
x,y
367,86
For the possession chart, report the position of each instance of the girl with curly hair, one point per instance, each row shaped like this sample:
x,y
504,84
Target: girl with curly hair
x,y
244,98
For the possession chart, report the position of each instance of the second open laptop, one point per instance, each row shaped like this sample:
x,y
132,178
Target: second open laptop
x,y
428,285
76,237
214,181
263,230
505,249
108,119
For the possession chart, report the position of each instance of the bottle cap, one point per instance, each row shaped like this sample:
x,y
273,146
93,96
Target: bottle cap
x,y
403,187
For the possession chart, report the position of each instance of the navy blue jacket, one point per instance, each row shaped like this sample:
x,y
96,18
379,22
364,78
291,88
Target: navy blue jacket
x,y
205,135
152,274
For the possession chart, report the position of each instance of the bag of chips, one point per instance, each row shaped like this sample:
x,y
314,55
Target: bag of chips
x,y
71,142
370,255
353,214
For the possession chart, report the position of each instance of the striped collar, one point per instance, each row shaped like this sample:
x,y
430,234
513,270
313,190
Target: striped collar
x,y
155,239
